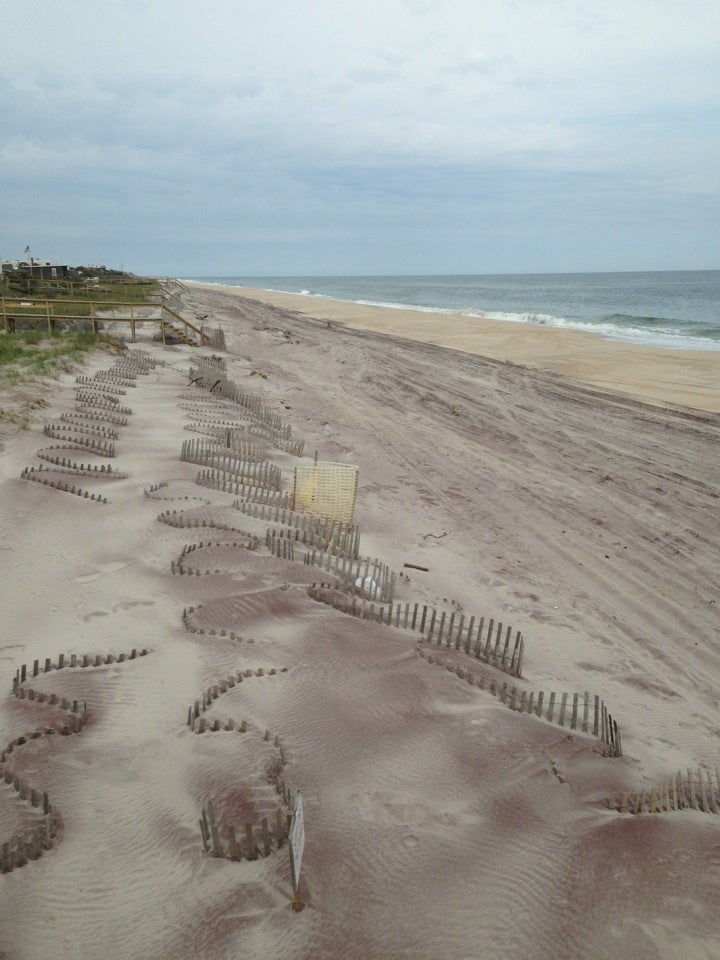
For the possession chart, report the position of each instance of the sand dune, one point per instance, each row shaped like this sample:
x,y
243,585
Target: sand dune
x,y
440,822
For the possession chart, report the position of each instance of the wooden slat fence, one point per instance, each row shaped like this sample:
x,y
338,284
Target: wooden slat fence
x,y
488,641
254,842
221,386
102,385
583,712
39,475
571,710
209,451
287,444
200,631
190,520
694,790
98,402
70,661
340,537
24,847
101,472
255,473
89,425
195,719
319,533
70,433
369,578
279,546
215,479
211,363
181,567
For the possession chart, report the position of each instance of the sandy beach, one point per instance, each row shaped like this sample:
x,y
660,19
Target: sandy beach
x,y
685,377
549,481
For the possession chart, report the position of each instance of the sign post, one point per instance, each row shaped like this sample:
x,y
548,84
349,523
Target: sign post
x,y
296,844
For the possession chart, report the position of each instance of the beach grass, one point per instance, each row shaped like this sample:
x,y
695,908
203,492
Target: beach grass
x,y
34,353
28,359
111,289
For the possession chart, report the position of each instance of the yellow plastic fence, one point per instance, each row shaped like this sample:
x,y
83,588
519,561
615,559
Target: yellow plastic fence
x,y
327,490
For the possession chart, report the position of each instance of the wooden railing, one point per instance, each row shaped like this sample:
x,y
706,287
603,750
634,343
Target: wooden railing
x,y
44,312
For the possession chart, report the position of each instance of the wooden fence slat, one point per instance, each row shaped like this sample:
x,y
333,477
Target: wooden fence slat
x,y
563,704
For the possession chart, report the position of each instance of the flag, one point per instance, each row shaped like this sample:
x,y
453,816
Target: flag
x,y
26,250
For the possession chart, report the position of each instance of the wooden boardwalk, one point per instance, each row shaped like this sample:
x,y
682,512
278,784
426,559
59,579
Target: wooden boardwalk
x,y
34,313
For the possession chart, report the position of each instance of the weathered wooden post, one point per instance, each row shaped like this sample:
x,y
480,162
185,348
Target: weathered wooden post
x,y
250,838
563,704
234,850
204,831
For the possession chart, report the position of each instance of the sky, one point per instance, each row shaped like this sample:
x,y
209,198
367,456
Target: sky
x,y
279,137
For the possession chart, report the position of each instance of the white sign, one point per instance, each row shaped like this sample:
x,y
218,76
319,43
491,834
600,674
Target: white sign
x,y
296,838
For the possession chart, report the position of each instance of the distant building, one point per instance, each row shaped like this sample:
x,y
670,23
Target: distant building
x,y
42,269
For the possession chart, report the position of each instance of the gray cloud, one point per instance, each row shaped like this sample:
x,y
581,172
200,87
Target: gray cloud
x,y
373,130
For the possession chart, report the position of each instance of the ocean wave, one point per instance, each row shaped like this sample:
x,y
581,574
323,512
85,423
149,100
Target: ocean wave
x,y
648,329
653,331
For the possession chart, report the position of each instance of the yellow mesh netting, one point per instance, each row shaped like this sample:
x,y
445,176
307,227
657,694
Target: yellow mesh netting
x,y
327,490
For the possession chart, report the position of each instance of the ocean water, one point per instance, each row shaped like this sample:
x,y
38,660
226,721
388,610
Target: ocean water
x,y
672,309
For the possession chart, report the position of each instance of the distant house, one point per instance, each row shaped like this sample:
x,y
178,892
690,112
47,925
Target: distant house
x,y
42,269
48,271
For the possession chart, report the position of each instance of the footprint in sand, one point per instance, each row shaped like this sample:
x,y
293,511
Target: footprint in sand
x,y
102,571
129,604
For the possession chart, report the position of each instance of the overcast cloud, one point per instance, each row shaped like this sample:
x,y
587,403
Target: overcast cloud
x,y
388,136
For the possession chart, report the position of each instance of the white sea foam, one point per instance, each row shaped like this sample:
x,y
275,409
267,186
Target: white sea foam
x,y
618,307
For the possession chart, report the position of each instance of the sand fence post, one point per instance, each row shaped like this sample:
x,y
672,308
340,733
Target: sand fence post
x,y
234,849
458,635
508,633
574,715
596,718
563,705
469,635
250,840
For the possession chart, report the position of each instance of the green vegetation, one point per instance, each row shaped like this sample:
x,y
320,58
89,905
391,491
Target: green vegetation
x,y
26,358
85,284
30,354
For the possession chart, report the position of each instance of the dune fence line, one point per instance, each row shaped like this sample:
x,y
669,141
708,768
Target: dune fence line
x,y
36,474
27,846
30,842
101,472
488,641
96,402
334,535
584,713
220,480
71,661
105,385
693,790
253,473
280,547
215,381
192,519
254,842
211,631
180,567
74,434
371,578
197,722
319,534
286,444
204,451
